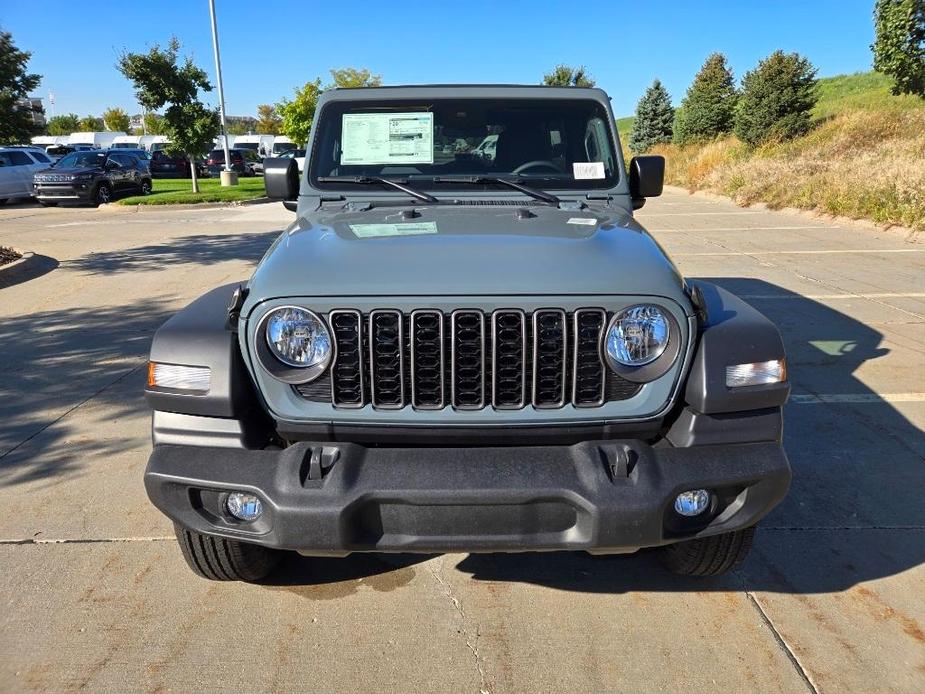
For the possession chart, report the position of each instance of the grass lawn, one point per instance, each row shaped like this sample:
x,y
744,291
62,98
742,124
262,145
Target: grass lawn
x,y
177,191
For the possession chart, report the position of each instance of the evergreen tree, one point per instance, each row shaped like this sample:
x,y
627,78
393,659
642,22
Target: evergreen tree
x,y
16,124
899,49
568,76
654,117
708,109
777,99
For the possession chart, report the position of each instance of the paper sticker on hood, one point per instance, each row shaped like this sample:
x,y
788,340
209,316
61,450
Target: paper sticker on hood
x,y
366,231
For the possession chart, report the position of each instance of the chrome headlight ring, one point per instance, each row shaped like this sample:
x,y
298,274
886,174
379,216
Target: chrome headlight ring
x,y
647,321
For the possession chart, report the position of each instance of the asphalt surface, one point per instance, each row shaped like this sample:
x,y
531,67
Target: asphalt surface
x,y
95,594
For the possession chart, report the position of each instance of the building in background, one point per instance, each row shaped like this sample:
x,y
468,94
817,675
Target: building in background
x,y
33,104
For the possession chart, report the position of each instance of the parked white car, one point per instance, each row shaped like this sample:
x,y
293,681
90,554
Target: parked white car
x,y
297,154
17,167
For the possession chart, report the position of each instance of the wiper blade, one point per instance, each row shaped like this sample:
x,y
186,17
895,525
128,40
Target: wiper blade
x,y
367,180
516,185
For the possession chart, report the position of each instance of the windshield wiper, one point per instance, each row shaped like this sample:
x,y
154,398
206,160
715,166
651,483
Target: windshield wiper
x,y
367,180
516,185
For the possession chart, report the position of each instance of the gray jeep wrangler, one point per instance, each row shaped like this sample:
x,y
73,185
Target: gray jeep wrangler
x,y
463,348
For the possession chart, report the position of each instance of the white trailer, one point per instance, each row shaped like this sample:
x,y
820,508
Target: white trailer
x,y
49,140
262,144
97,140
133,142
158,142
281,144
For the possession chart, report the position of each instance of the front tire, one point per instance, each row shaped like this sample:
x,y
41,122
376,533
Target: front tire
x,y
218,559
708,556
103,194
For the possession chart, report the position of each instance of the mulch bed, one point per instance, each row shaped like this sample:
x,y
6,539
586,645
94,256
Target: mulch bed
x,y
8,255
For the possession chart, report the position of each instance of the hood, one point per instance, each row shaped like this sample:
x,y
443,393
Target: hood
x,y
70,170
459,250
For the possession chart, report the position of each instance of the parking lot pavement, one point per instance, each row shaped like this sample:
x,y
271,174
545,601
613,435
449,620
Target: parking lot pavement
x,y
96,594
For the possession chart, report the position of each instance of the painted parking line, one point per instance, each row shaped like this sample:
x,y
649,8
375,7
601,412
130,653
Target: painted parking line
x,y
826,297
694,231
846,251
854,398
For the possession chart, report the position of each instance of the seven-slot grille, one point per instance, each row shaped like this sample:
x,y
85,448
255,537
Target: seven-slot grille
x,y
468,359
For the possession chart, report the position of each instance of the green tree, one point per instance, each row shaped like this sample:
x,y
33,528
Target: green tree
x,y
568,76
154,124
297,115
654,118
354,77
16,124
116,119
161,81
64,124
90,124
899,46
708,108
267,120
777,99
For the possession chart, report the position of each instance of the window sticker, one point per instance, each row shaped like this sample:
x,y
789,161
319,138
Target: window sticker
x,y
369,231
584,170
585,221
387,138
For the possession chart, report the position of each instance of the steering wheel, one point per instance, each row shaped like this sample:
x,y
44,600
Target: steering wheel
x,y
535,163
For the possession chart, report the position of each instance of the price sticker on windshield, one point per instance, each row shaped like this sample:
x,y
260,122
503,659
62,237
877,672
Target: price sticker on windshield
x,y
585,170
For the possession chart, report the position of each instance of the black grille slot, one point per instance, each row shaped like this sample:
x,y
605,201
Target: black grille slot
x,y
509,354
427,362
386,360
588,375
549,358
347,373
467,343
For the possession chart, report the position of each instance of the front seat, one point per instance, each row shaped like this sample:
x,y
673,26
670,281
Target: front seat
x,y
519,144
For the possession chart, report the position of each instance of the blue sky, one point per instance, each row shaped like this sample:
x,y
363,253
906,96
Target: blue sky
x,y
270,48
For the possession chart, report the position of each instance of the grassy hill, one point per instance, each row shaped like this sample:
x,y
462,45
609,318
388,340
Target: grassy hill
x,y
864,158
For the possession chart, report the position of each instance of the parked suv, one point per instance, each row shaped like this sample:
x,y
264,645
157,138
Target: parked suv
x,y
17,166
245,161
94,176
465,354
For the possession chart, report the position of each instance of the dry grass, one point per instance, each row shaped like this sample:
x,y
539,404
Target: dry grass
x,y
861,163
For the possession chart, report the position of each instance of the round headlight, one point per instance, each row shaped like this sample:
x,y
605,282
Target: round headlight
x,y
638,335
297,337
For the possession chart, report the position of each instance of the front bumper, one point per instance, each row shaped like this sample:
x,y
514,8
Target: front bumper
x,y
63,191
335,498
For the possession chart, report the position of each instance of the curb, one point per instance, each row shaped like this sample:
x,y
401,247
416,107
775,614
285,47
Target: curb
x,y
17,266
116,207
908,235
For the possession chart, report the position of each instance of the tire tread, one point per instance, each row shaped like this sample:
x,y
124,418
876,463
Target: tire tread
x,y
219,559
709,556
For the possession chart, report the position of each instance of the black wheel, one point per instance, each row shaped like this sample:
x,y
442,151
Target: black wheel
x,y
45,203
146,187
218,559
103,194
708,556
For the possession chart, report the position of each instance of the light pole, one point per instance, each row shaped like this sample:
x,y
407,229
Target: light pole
x,y
229,177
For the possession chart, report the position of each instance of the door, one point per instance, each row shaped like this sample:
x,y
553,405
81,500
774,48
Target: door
x,y
20,170
129,171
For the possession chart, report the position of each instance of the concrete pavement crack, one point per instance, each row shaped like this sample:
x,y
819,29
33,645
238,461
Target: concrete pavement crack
x,y
83,541
782,643
471,643
71,409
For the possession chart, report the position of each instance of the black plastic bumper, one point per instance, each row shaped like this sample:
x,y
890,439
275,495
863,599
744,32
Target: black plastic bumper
x,y
608,496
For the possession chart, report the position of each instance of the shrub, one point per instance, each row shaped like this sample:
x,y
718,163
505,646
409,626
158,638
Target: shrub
x,y
654,118
708,109
777,99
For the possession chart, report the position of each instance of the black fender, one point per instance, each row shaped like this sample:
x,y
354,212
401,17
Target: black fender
x,y
200,335
732,332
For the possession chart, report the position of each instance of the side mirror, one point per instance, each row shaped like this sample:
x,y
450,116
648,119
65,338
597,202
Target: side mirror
x,y
281,178
647,178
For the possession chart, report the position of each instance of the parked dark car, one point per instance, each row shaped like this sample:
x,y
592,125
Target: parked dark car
x,y
165,165
245,161
96,176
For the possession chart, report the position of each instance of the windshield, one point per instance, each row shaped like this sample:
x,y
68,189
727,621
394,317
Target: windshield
x,y
245,145
559,144
81,160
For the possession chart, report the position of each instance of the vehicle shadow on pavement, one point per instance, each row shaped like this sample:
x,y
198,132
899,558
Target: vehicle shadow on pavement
x,y
854,512
201,249
33,267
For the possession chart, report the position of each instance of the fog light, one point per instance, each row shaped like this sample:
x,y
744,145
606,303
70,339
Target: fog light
x,y
243,506
692,503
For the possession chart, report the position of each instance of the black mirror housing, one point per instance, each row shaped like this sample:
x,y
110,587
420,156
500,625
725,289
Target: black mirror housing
x,y
281,178
647,177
